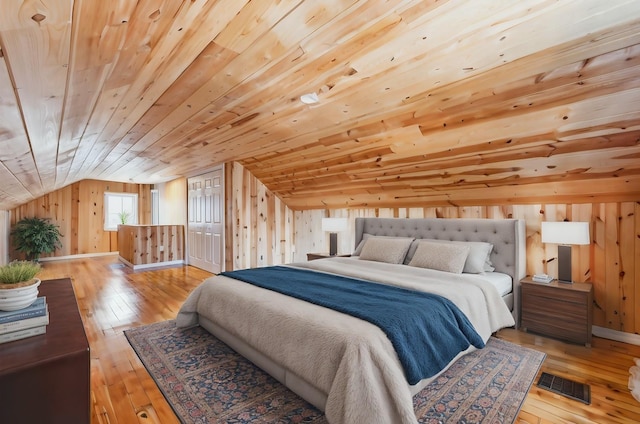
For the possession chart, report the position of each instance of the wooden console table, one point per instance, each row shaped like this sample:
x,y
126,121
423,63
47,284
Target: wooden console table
x,y
45,379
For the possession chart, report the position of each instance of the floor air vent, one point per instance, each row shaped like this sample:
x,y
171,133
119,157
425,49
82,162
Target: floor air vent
x,y
562,386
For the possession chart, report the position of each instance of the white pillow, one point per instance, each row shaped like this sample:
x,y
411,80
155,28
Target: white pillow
x,y
488,265
360,245
479,254
367,236
478,261
385,249
443,257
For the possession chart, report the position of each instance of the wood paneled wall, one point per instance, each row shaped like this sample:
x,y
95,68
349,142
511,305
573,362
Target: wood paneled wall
x,y
78,209
264,232
259,227
173,202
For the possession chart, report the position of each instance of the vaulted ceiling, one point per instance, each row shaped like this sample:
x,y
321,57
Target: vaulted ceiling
x,y
420,102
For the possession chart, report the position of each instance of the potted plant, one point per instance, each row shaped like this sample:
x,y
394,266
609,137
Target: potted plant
x,y
124,217
35,236
18,285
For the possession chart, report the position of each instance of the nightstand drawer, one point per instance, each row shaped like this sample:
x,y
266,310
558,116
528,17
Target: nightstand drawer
x,y
553,307
575,332
556,294
540,321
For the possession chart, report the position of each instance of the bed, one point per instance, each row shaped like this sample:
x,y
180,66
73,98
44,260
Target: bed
x,y
345,365
507,236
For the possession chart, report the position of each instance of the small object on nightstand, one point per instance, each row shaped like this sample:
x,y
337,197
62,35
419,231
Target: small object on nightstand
x,y
542,278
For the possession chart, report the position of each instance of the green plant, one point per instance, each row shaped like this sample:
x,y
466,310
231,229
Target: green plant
x,y
34,236
18,271
124,217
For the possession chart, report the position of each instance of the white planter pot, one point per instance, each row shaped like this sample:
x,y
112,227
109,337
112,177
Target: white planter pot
x,y
14,298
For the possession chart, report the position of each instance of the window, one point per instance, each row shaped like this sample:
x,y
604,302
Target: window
x,y
120,208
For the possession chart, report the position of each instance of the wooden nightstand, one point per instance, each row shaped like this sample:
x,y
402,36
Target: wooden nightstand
x,y
312,256
559,310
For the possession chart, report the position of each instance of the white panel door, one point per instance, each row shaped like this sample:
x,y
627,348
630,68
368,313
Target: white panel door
x,y
205,224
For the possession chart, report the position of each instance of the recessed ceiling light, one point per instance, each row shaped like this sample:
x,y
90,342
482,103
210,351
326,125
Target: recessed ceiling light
x,y
309,98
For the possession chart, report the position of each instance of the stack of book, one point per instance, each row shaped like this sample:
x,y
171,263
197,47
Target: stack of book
x,y
25,322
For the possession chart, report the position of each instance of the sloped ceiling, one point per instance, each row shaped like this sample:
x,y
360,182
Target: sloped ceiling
x,y
420,102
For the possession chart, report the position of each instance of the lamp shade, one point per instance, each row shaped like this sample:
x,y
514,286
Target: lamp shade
x,y
334,225
565,232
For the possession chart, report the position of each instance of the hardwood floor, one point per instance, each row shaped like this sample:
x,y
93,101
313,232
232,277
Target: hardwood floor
x,y
604,366
113,298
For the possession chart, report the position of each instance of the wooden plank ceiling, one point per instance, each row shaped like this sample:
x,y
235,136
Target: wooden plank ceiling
x,y
420,102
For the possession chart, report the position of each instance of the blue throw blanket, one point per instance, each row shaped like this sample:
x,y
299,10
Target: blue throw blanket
x,y
426,330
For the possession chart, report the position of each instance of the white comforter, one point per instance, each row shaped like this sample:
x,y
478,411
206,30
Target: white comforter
x,y
349,359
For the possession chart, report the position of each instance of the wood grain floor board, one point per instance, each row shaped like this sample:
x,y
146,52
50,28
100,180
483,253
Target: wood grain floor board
x,y
112,299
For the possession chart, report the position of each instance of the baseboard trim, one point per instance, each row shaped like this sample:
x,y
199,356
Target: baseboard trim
x,y
153,265
79,255
619,336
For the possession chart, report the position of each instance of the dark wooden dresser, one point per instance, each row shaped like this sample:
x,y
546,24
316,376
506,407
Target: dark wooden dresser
x,y
560,310
45,379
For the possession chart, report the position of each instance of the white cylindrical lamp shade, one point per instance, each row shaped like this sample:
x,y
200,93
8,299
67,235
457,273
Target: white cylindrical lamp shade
x,y
334,225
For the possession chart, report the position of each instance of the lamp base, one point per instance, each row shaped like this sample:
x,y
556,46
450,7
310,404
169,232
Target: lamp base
x,y
564,264
333,244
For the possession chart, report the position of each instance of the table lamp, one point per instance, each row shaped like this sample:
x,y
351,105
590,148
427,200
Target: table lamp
x,y
565,234
333,226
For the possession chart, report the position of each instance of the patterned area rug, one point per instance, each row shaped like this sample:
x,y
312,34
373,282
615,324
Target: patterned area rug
x,y
206,382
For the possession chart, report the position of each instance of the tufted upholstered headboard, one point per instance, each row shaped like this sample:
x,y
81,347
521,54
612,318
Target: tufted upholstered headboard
x,y
507,236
